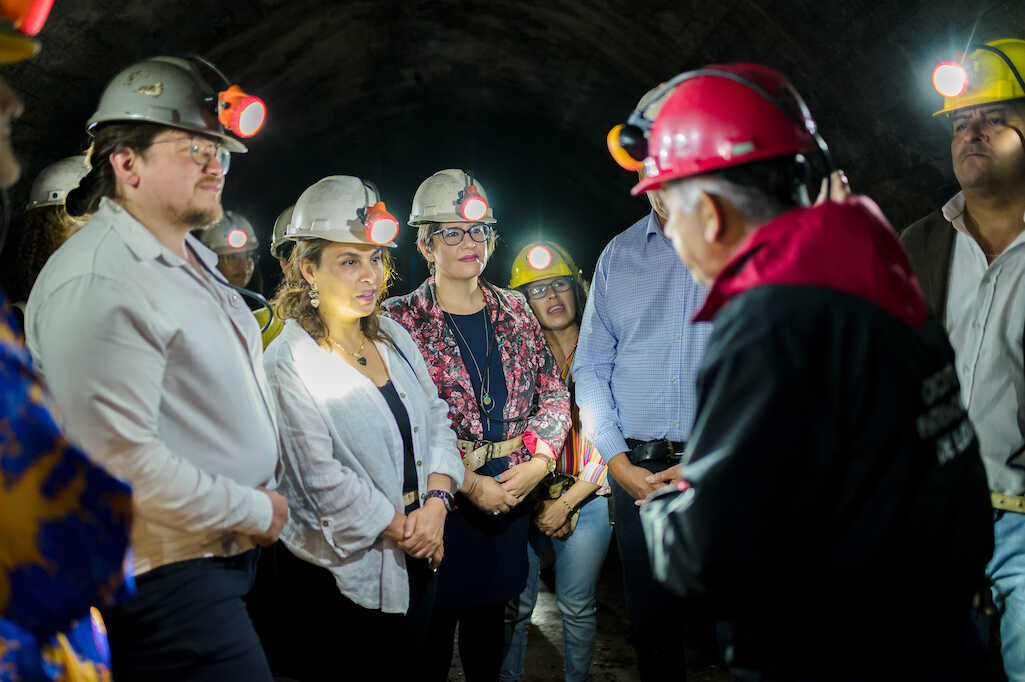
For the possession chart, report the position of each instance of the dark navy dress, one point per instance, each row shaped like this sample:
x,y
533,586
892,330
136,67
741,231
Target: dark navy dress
x,y
485,556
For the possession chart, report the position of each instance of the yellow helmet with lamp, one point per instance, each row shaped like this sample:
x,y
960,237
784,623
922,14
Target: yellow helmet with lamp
x,y
989,73
541,260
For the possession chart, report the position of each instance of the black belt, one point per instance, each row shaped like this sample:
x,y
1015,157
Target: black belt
x,y
663,450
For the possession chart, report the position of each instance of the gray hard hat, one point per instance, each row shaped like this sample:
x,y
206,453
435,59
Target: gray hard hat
x,y
333,208
52,185
165,90
231,234
280,227
437,198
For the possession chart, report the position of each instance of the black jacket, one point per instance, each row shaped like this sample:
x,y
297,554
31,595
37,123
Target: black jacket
x,y
838,512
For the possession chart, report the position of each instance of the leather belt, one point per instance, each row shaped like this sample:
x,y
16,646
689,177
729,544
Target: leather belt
x,y
476,457
1011,503
662,450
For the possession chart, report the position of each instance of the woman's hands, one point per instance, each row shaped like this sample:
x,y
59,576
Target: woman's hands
x,y
520,479
488,495
551,518
423,531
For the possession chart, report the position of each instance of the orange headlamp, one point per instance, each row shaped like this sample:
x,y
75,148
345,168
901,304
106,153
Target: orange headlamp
x,y
628,146
539,257
950,79
241,113
381,226
472,206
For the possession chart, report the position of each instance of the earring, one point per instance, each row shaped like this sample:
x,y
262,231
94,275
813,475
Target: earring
x,y
314,296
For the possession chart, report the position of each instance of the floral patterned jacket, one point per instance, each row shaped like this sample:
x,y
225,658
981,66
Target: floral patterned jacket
x,y
528,362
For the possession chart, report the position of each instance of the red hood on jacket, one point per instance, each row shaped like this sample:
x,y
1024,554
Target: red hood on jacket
x,y
848,246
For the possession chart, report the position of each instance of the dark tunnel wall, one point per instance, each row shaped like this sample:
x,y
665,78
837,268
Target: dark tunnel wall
x,y
522,94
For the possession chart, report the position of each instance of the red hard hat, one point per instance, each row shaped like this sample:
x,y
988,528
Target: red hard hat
x,y
711,122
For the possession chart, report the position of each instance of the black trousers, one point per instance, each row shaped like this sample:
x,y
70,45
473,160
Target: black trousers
x,y
656,625
315,634
481,642
188,622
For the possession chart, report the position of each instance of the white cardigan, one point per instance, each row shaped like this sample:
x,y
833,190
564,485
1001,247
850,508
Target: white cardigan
x,y
343,458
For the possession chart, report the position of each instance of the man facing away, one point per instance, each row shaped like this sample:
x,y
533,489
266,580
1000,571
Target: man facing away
x,y
157,367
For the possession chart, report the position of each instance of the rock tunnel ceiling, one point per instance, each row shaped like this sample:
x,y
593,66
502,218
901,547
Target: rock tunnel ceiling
x,y
521,93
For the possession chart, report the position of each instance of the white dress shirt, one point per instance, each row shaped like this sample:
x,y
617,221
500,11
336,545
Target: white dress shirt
x,y
985,319
158,372
343,458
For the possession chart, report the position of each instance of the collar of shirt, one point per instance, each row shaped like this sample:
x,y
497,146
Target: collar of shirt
x,y
142,243
953,211
653,230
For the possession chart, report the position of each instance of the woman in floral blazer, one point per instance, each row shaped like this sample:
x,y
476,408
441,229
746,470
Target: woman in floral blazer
x,y
509,408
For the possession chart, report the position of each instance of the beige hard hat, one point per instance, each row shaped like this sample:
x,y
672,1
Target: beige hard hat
x,y
649,106
280,226
164,90
336,208
438,198
231,234
52,185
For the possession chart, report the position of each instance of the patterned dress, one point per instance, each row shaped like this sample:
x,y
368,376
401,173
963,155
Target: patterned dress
x,y
64,533
486,556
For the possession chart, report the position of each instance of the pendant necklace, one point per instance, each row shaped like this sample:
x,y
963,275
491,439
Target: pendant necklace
x,y
486,401
360,358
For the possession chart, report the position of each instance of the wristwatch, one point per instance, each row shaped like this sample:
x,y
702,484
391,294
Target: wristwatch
x,y
549,463
443,495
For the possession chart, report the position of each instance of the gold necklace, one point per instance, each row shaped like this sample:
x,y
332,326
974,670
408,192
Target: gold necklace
x,y
360,358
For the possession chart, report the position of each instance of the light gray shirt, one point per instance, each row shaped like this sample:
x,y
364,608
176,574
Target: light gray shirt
x,y
985,319
343,458
158,372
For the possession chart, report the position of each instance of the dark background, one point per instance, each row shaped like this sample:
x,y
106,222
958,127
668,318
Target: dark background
x,y
521,93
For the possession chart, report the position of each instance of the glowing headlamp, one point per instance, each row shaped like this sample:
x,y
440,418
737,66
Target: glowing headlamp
x,y
28,16
950,79
241,113
628,146
472,206
237,238
539,257
381,226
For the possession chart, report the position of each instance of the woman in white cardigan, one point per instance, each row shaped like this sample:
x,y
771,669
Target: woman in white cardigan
x,y
369,459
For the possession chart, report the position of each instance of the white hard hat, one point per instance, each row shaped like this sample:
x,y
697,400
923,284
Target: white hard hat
x,y
280,227
438,199
164,90
55,181
341,208
231,234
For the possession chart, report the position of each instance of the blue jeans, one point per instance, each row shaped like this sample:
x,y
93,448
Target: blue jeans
x,y
578,561
1007,571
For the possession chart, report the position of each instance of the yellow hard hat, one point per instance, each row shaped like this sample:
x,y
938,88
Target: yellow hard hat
x,y
541,260
988,77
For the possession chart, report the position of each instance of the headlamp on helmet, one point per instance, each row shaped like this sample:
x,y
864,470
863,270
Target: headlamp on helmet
x,y
539,257
237,238
989,74
472,206
241,113
381,226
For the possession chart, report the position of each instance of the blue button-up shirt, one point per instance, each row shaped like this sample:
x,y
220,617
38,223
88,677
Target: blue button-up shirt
x,y
638,355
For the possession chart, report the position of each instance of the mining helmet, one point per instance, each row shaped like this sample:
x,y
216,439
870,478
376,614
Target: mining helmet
x,y
280,227
168,91
541,260
52,185
450,196
990,73
726,115
19,21
231,234
343,208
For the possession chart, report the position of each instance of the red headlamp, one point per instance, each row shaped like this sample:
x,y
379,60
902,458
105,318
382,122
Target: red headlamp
x,y
472,206
539,257
28,16
381,226
241,113
950,79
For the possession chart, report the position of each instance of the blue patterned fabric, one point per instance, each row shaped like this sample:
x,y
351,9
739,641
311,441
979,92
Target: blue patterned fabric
x,y
64,533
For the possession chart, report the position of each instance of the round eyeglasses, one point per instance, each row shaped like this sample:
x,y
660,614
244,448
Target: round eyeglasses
x,y
453,236
558,285
204,151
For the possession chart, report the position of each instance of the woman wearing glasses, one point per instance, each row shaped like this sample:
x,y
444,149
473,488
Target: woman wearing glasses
x,y
573,515
508,406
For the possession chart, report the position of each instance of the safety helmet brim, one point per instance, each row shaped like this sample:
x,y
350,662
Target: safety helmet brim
x,y
15,47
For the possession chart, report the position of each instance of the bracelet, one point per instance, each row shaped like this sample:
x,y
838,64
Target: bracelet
x,y
443,495
571,509
473,486
549,462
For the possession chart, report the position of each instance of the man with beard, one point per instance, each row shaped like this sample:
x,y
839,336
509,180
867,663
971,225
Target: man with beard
x,y
157,367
